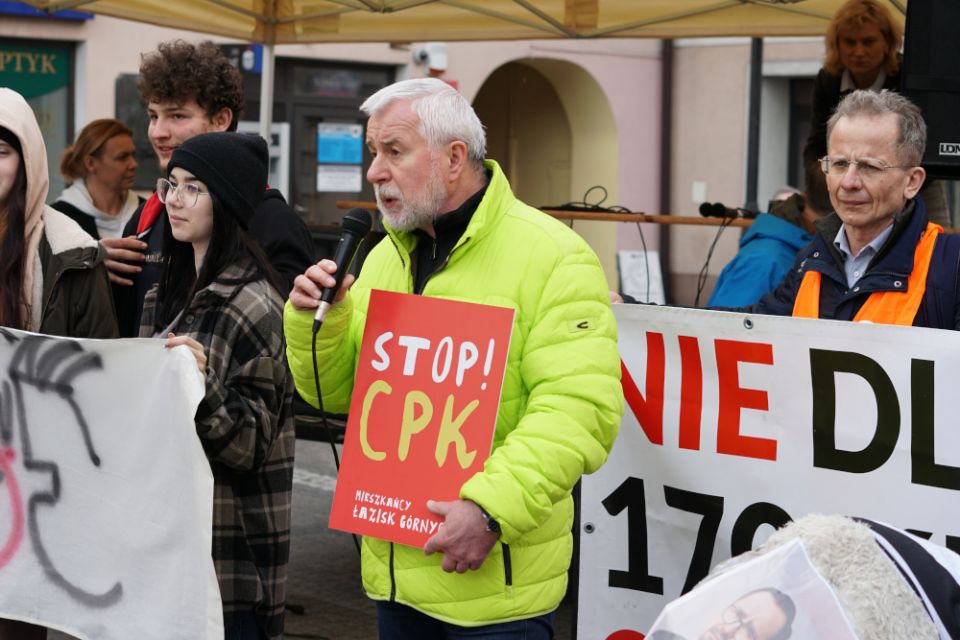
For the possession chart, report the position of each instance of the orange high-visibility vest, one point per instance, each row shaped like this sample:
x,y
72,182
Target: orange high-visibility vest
x,y
882,307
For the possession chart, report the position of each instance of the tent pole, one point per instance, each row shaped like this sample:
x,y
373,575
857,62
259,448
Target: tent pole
x,y
666,160
753,123
266,92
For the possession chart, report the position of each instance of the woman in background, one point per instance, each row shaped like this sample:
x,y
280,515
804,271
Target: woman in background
x,y
100,167
219,296
52,277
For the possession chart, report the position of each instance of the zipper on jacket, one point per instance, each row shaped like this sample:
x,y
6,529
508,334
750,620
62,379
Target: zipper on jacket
x,y
396,246
446,261
507,566
45,300
403,263
393,581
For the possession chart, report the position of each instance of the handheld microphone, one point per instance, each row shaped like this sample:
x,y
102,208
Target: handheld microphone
x,y
356,226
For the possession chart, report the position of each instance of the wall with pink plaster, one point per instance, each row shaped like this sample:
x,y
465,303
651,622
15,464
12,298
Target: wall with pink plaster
x,y
628,73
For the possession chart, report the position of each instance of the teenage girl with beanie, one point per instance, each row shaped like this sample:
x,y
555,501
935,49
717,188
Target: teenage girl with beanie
x,y
219,297
52,278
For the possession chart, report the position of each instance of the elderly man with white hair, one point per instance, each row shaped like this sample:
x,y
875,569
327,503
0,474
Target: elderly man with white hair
x,y
457,231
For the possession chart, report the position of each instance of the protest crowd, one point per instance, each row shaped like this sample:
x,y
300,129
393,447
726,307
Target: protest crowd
x,y
215,263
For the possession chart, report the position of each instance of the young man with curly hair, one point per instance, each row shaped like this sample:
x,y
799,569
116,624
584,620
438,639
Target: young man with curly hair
x,y
191,89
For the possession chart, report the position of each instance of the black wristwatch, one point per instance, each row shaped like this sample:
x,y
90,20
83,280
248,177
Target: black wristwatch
x,y
492,525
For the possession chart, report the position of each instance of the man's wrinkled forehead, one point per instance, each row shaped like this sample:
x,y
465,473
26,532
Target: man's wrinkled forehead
x,y
880,131
395,123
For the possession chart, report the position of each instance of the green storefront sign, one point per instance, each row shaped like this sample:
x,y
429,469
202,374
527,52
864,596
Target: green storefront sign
x,y
33,71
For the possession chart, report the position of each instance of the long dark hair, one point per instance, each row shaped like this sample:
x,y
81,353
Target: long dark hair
x,y
12,249
229,244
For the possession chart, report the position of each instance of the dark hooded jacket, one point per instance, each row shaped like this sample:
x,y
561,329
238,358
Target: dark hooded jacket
x,y
65,282
888,271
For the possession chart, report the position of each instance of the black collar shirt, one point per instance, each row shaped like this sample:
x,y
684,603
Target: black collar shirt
x,y
431,254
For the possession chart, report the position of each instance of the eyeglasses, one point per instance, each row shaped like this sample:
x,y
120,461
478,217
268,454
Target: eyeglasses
x,y
866,168
736,625
186,191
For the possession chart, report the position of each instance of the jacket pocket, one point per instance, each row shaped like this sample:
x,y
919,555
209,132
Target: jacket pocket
x,y
507,566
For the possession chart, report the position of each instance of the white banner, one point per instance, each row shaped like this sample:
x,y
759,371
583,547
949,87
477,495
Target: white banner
x,y
106,495
736,423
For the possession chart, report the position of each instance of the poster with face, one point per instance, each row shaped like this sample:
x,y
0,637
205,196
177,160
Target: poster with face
x,y
775,596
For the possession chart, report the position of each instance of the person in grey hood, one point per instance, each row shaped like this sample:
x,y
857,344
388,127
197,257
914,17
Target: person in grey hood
x,y
52,276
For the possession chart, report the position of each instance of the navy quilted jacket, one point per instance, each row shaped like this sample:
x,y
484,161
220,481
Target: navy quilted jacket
x,y
888,271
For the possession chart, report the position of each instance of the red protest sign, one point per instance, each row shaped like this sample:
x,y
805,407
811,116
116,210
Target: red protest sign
x,y
423,412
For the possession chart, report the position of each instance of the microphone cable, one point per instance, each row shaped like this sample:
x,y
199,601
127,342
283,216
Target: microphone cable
x,y
323,413
702,276
726,215
597,206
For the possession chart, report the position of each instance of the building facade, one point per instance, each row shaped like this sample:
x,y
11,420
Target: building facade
x,y
613,123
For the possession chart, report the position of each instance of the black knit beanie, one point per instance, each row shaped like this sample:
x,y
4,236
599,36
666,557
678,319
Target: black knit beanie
x,y
11,138
232,165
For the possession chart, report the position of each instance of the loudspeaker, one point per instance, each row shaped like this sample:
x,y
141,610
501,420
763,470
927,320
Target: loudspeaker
x,y
930,77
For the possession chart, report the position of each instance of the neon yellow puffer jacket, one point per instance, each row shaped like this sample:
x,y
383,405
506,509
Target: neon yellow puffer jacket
x,y
559,413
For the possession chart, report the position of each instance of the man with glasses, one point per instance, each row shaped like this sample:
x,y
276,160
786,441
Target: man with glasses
x,y
191,89
763,614
877,259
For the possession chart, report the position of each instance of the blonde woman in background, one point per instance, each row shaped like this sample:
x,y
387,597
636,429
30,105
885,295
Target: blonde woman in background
x,y
100,166
862,43
862,52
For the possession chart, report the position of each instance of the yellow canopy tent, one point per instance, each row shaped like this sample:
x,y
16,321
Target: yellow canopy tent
x,y
300,21
272,22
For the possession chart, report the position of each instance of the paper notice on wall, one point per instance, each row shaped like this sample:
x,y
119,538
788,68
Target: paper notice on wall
x,y
640,275
346,178
339,143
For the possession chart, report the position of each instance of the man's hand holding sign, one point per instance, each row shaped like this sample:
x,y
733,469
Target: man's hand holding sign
x,y
422,416
465,537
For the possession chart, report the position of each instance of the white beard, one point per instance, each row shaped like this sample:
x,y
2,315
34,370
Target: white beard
x,y
419,209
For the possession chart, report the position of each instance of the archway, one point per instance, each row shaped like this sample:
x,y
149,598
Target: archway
x,y
550,126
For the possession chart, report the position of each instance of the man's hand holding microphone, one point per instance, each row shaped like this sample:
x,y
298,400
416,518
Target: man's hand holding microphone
x,y
309,286
326,282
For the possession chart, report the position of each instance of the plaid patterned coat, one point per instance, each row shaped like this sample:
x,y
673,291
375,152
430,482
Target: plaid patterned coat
x,y
245,423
